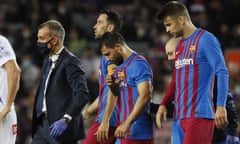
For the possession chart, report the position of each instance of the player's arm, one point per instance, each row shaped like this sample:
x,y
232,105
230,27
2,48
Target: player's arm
x,y
91,109
216,60
144,90
13,77
168,98
170,92
102,132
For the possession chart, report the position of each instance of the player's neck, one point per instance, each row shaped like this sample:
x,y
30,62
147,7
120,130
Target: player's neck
x,y
189,30
127,53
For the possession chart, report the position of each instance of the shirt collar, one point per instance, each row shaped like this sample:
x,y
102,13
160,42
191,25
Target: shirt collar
x,y
54,57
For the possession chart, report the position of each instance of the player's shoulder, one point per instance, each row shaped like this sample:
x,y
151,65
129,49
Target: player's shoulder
x,y
137,57
208,38
104,61
140,61
3,38
208,35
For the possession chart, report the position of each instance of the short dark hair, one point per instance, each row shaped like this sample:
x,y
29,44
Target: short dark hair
x,y
172,8
113,18
109,39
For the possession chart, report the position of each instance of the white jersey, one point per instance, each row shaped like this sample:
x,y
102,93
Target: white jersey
x,y
6,54
8,125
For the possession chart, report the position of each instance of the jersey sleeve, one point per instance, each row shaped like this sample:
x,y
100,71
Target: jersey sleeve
x,y
214,56
6,51
141,71
170,92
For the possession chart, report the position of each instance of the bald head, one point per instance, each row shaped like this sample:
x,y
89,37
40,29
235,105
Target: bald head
x,y
170,47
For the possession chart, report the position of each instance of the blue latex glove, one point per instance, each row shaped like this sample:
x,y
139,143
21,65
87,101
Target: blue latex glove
x,y
57,128
232,140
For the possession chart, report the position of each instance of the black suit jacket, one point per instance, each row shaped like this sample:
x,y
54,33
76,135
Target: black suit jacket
x,y
66,93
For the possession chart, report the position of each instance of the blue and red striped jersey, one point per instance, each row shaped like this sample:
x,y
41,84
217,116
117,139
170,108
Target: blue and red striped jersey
x,y
132,72
198,58
103,93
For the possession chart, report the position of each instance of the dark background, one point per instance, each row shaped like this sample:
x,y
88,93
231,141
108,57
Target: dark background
x,y
19,20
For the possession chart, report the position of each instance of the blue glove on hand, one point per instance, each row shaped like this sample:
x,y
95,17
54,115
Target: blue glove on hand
x,y
232,140
57,128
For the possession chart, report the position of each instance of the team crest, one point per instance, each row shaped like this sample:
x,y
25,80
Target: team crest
x,y
121,77
192,48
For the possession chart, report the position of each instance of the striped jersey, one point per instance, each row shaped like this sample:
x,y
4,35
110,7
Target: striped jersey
x,y
198,58
103,92
132,72
6,54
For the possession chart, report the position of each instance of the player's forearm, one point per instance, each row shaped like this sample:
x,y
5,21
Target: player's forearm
x,y
111,102
222,87
138,109
114,88
92,108
143,99
170,93
13,77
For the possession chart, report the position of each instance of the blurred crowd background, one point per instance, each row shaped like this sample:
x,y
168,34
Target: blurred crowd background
x,y
19,20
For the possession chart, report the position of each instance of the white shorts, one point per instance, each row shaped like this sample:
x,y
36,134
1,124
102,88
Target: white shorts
x,y
8,128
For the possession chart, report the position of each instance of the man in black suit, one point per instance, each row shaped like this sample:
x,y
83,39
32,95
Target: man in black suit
x,y
62,92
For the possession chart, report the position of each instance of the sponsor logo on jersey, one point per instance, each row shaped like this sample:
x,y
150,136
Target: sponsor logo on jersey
x,y
183,62
14,129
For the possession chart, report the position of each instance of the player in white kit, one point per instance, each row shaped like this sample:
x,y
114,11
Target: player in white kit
x,y
9,85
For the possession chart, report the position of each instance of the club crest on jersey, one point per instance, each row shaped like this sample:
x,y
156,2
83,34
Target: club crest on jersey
x,y
192,48
121,77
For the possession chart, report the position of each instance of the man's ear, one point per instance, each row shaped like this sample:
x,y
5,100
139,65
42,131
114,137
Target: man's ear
x,y
181,20
55,40
110,28
118,47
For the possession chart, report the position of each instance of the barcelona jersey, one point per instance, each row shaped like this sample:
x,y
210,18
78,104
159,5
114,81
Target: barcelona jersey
x,y
198,59
132,72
